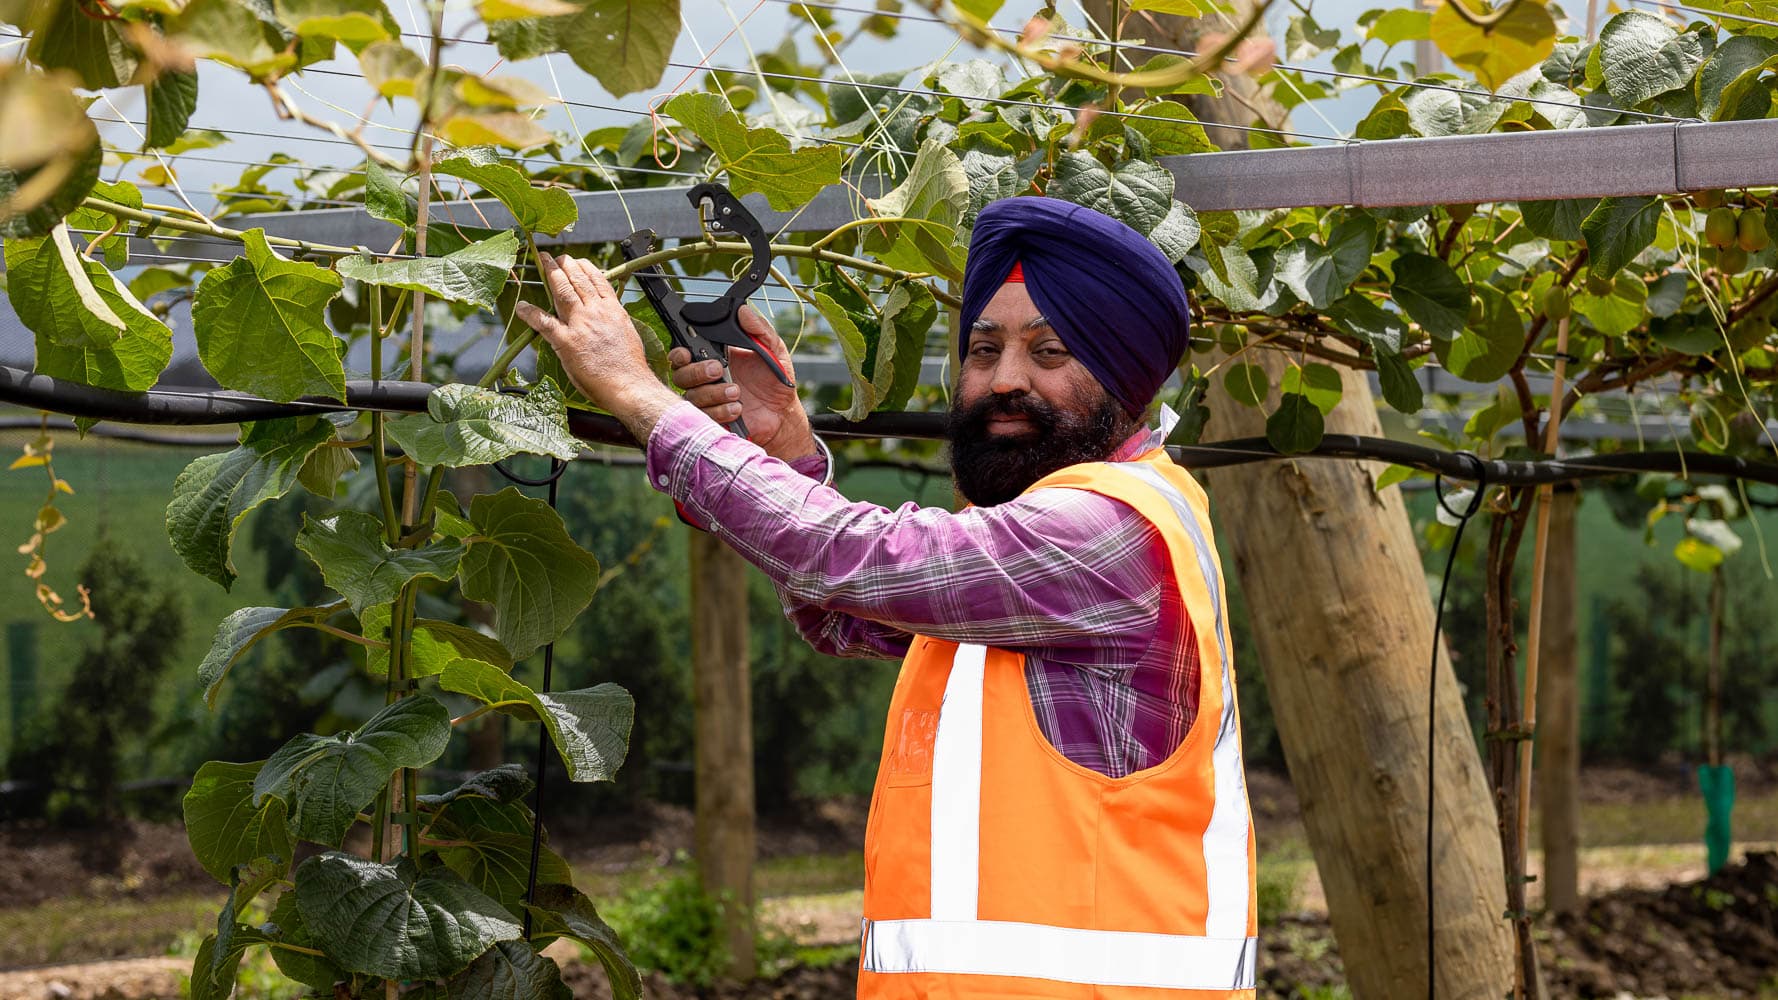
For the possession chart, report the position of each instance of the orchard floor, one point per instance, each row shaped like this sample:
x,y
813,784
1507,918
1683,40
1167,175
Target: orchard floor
x,y
96,916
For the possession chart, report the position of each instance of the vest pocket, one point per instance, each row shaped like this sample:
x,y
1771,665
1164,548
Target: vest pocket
x,y
910,762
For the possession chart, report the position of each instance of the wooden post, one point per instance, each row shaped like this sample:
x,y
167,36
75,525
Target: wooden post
x,y
723,728
1558,714
1343,625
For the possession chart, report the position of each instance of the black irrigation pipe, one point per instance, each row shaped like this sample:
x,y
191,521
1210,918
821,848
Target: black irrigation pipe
x,y
200,407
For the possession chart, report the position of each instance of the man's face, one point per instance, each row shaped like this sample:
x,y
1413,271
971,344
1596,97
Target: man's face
x,y
1024,406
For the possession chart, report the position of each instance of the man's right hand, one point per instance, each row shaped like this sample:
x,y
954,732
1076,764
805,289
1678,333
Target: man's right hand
x,y
776,420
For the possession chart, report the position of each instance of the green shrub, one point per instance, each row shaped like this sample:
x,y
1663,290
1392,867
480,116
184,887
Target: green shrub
x,y
1277,891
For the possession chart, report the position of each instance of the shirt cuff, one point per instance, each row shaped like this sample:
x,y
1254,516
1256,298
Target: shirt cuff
x,y
679,437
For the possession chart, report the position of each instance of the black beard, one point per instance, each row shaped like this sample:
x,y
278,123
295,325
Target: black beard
x,y
991,469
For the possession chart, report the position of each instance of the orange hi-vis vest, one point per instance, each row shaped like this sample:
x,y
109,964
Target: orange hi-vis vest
x,y
996,867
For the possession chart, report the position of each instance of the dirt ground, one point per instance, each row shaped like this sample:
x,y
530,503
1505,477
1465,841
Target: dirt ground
x,y
1653,926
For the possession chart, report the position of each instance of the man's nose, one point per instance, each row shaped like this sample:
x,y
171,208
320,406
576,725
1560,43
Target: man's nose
x,y
1010,374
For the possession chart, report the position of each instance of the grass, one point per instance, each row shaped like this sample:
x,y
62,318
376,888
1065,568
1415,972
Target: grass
x,y
78,930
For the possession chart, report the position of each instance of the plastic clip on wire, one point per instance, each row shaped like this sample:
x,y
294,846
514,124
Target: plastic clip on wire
x,y
1462,517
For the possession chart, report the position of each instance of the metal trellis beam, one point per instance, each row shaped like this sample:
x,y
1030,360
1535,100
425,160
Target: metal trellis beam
x,y
1513,166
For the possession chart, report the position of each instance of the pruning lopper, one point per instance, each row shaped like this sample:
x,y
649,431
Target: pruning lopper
x,y
709,329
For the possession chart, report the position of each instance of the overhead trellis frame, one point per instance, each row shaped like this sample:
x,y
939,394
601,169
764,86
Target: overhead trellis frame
x,y
187,408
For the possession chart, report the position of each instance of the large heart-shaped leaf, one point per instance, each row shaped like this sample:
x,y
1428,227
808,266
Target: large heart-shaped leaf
x,y
523,562
261,324
356,561
357,23
117,345
1136,193
757,159
490,846
1296,426
506,783
66,37
1641,55
1518,41
36,200
590,727
325,780
1321,274
1619,229
224,827
394,922
560,910
171,98
314,971
624,44
464,425
932,199
511,970
1431,293
1177,135
539,210
239,33
215,493
1485,351
474,274
241,630
1559,219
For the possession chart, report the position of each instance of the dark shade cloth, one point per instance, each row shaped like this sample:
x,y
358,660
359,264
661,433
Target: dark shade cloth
x,y
1109,293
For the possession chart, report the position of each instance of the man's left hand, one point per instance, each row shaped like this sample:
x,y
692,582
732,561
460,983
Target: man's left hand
x,y
592,335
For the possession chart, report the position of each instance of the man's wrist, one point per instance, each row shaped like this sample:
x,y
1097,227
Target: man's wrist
x,y
639,407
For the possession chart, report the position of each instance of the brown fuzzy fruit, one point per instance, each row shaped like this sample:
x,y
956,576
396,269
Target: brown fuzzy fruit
x,y
1555,302
1731,260
1750,234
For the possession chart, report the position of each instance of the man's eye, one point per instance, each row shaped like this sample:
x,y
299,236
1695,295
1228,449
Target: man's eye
x,y
982,350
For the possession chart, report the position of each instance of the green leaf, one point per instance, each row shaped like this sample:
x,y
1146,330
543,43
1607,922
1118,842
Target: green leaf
x,y
758,159
394,70
325,781
503,784
356,23
390,921
1618,230
490,846
356,561
1667,294
1304,38
1320,274
216,492
223,826
1184,8
1359,316
935,194
1640,56
1296,426
1178,232
56,293
1617,313
908,314
116,248
1319,383
92,48
527,566
433,644
539,210
474,274
1430,293
527,38
590,727
1695,553
241,630
1734,58
214,968
239,33
384,198
1247,384
624,44
1487,352
314,971
261,324
1136,193
1401,390
1557,220
1393,475
322,470
560,910
40,215
465,425
1209,86
509,971
1496,54
856,352
1400,25
171,98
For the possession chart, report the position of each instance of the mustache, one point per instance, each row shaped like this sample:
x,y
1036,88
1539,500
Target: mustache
x,y
975,416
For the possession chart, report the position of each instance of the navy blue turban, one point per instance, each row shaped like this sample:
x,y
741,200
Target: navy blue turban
x,y
1110,294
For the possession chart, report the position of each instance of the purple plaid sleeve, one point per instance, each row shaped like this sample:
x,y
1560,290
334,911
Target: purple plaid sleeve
x,y
1078,582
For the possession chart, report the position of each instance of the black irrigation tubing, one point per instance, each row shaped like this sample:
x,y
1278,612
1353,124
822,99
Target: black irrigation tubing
x,y
200,407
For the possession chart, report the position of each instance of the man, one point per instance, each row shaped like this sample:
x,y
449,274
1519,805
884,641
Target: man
x,y
1060,810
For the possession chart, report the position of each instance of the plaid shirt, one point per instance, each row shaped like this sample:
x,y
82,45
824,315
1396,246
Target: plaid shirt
x,y
1077,582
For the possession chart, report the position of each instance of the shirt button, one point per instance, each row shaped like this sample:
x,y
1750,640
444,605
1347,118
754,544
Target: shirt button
x,y
660,480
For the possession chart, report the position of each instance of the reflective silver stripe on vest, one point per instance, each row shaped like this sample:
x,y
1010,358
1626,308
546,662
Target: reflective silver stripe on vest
x,y
1065,954
1225,838
957,789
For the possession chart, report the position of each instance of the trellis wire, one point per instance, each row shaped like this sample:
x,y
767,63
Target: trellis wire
x,y
1705,12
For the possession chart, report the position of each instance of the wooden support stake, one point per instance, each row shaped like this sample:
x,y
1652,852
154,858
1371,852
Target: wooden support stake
x,y
723,728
